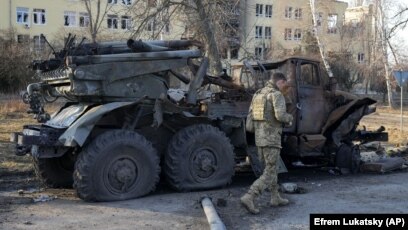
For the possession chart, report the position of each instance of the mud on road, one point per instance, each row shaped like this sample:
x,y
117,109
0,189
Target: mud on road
x,y
166,209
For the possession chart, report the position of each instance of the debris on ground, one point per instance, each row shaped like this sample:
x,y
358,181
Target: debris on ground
x,y
213,218
383,165
372,146
28,223
221,202
44,198
372,156
401,151
291,188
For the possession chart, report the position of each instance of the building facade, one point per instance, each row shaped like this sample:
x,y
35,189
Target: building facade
x,y
26,20
276,28
265,29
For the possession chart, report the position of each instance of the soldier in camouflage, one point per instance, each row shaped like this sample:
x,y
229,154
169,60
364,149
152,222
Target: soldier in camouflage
x,y
269,114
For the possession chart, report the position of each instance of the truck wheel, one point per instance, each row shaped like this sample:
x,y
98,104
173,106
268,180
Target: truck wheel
x,y
55,172
116,165
199,157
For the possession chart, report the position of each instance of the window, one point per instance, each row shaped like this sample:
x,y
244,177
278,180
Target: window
x,y
167,27
360,58
22,15
151,3
268,11
234,52
268,32
151,25
298,13
39,16
308,75
259,10
39,43
258,32
127,2
258,52
332,24
84,20
112,21
113,2
319,19
23,38
297,36
69,18
125,23
288,12
288,34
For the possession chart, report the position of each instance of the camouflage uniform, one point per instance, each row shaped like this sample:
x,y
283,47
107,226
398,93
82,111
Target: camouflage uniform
x,y
269,113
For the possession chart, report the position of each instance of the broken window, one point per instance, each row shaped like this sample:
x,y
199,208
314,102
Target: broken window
x,y
23,38
39,43
332,24
167,27
288,34
298,13
308,75
127,2
22,15
112,21
125,22
69,18
258,52
39,16
360,58
259,10
258,32
268,32
84,20
234,52
268,11
297,36
151,25
288,12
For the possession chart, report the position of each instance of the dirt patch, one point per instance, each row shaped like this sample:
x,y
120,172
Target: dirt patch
x,y
16,172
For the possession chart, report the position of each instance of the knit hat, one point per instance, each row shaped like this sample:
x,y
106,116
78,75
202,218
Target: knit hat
x,y
278,76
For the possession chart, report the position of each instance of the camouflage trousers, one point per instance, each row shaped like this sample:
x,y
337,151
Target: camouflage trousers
x,y
269,177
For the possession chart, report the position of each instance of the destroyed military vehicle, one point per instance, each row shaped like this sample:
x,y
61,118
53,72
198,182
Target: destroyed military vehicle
x,y
121,125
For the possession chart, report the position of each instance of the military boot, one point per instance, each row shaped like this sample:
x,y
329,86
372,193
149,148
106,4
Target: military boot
x,y
277,200
248,201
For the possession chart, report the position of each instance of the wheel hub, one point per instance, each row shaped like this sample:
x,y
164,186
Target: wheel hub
x,y
122,174
204,164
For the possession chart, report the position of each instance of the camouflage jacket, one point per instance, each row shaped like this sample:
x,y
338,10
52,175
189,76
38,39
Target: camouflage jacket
x,y
268,109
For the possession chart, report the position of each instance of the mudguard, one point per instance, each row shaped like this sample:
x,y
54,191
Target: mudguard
x,y
342,112
78,132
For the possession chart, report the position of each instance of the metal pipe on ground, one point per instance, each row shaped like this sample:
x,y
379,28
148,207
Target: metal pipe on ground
x,y
213,218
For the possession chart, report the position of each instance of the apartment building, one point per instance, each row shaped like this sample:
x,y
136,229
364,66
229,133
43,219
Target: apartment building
x,y
360,26
56,18
265,29
273,28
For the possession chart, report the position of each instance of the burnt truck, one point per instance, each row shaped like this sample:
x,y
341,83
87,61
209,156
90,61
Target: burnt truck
x,y
121,127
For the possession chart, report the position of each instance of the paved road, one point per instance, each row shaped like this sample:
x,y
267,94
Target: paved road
x,y
166,209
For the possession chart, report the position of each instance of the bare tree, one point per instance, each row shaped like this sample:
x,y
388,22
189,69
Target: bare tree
x,y
97,11
15,56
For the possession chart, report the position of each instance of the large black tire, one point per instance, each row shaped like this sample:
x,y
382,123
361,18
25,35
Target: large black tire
x,y
116,165
55,172
199,157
